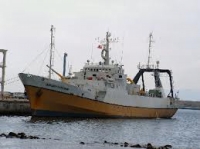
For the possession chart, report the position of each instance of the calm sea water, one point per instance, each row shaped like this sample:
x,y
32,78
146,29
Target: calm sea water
x,y
182,132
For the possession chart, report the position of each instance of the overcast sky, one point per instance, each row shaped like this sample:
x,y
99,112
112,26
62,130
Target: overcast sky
x,y
25,33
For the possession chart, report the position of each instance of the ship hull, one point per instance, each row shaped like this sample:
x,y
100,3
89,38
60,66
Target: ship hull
x,y
48,103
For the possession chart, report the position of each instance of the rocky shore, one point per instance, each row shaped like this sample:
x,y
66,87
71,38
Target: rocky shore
x,y
22,135
131,145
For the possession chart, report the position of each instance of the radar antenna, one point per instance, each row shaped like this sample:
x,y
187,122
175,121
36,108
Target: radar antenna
x,y
105,47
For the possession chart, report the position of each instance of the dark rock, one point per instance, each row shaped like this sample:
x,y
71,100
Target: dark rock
x,y
105,141
136,146
149,146
126,144
3,135
165,147
12,135
168,146
116,143
82,143
19,135
22,135
33,137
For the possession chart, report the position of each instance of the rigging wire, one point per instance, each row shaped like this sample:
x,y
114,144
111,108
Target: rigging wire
x,y
16,79
11,80
92,53
34,59
59,55
122,46
7,83
42,64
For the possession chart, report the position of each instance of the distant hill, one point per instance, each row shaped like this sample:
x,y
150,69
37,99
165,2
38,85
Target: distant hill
x,y
183,104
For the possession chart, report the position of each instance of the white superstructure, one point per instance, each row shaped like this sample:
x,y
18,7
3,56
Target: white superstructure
x,y
107,82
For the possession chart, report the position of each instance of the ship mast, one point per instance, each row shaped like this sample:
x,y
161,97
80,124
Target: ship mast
x,y
51,50
106,43
150,42
106,49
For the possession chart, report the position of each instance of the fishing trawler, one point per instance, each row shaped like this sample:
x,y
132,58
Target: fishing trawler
x,y
99,90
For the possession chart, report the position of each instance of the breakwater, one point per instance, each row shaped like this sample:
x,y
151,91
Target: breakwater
x,y
12,106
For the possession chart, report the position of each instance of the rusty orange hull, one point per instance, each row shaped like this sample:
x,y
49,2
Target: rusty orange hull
x,y
46,102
